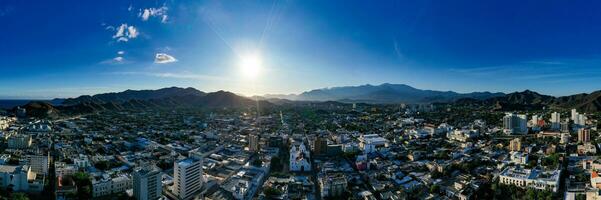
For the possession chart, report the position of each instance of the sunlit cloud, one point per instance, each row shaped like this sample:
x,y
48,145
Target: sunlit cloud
x,y
125,32
162,58
160,13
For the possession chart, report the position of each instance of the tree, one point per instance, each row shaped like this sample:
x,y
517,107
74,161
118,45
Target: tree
x,y
20,196
434,189
271,192
257,163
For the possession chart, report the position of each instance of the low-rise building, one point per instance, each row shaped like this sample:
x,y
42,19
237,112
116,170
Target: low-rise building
x,y
332,184
530,178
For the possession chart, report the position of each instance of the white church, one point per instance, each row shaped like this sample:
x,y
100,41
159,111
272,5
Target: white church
x,y
299,158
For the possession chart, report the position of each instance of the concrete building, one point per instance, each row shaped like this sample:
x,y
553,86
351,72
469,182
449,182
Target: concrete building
x,y
565,126
107,185
147,183
320,145
530,178
463,135
584,135
19,141
187,178
555,121
515,144
368,143
253,143
38,163
515,124
564,138
332,184
20,178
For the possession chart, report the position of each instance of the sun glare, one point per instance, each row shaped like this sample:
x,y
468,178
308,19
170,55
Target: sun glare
x,y
250,65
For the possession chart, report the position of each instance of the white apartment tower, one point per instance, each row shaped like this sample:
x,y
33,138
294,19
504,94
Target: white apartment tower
x,y
555,121
147,183
515,124
187,177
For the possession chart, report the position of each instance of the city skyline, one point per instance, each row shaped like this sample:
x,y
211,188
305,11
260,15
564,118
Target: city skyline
x,y
464,46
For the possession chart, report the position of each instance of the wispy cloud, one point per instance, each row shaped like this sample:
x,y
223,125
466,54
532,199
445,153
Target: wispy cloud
x,y
162,58
114,61
546,71
124,32
160,13
190,76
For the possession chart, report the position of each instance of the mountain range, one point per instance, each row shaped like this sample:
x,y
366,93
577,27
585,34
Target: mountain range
x,y
175,97
530,100
384,94
165,98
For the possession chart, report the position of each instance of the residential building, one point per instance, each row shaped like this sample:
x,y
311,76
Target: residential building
x,y
253,143
38,163
107,184
332,184
19,141
515,124
187,178
584,135
555,121
20,178
147,183
320,145
515,144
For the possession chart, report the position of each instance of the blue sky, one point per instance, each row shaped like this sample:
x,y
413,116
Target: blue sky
x,y
69,48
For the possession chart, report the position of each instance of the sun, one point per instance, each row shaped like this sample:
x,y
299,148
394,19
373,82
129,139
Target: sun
x,y
250,65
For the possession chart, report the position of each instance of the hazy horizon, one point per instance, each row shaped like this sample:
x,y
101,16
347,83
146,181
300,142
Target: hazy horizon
x,y
65,97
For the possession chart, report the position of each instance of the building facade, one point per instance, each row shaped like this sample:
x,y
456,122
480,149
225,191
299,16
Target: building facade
x,y
187,178
147,183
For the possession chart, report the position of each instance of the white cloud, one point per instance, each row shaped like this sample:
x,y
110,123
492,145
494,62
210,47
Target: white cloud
x,y
118,59
122,39
120,52
162,58
120,31
132,32
160,13
125,32
145,15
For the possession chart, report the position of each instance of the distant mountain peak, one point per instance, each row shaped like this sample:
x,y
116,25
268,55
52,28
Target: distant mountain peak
x,y
383,93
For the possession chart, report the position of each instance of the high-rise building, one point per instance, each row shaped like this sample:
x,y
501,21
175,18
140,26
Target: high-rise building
x,y
320,145
555,121
580,120
515,144
253,142
584,135
187,178
515,124
147,183
574,115
565,126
